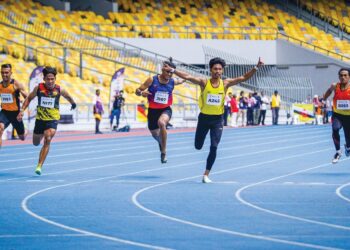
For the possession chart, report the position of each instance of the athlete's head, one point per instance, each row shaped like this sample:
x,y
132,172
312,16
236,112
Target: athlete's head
x,y
344,75
6,72
49,77
97,92
217,66
165,73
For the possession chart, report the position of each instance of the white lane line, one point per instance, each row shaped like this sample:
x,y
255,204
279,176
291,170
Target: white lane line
x,y
79,152
39,235
178,155
239,146
238,195
339,193
216,229
25,201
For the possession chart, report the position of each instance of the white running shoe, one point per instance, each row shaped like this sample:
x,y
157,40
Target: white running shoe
x,y
206,179
336,157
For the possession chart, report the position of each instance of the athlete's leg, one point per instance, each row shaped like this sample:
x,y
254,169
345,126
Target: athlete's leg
x,y
162,122
336,126
201,132
215,137
346,127
48,135
19,126
2,129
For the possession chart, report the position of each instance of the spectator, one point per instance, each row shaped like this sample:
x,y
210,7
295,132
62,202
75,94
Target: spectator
x,y
251,104
98,111
119,101
243,105
275,107
256,108
227,109
234,111
264,103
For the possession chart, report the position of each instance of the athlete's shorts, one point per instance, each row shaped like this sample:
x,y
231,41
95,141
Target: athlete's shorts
x,y
154,114
41,126
10,117
206,123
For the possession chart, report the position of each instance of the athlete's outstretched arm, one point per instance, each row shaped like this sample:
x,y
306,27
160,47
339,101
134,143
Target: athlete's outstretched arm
x,y
66,95
196,80
329,91
21,89
141,91
25,105
234,81
178,82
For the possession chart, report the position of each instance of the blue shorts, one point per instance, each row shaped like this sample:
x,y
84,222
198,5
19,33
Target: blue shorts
x,y
41,126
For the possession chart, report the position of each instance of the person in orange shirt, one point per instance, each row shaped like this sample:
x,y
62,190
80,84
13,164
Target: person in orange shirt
x,y
10,91
341,111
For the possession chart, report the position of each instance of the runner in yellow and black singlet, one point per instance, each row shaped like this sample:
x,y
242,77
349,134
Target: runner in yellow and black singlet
x,y
48,113
211,104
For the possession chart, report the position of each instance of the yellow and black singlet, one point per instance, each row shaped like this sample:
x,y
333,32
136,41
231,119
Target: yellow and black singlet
x,y
48,103
9,97
211,101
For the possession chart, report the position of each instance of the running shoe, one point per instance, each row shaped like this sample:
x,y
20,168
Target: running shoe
x,y
347,151
38,170
206,179
336,157
163,158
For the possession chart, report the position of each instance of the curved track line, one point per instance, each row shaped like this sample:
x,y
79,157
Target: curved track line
x,y
239,197
338,192
221,230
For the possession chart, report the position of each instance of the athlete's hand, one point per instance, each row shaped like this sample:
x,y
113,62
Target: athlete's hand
x,y
145,93
20,116
260,63
74,105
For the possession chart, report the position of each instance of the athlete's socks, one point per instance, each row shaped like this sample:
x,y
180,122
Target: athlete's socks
x,y
38,169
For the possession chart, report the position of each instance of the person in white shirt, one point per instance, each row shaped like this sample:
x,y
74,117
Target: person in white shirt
x,y
263,108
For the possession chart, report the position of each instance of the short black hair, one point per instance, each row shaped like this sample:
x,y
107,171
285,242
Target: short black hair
x,y
6,66
217,60
49,70
344,69
170,63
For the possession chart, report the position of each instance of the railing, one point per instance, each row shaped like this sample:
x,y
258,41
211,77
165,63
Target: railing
x,y
176,31
268,79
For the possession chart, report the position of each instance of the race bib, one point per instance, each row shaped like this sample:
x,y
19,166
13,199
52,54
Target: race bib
x,y
161,97
47,102
6,98
343,104
214,100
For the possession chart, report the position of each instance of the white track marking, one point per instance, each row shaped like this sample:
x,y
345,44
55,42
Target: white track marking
x,y
27,198
178,155
236,233
339,189
239,197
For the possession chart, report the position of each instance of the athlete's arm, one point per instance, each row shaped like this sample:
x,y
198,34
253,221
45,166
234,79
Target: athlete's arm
x,y
178,82
21,89
26,102
141,91
66,95
329,91
234,81
186,76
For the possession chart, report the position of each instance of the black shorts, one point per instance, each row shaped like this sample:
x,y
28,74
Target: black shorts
x,y
10,117
41,126
154,114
